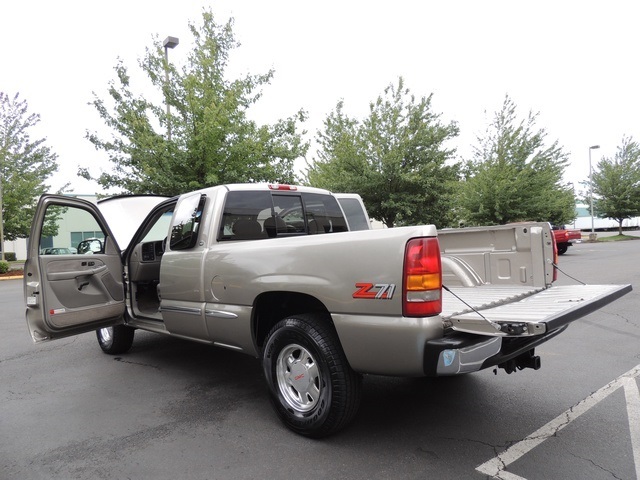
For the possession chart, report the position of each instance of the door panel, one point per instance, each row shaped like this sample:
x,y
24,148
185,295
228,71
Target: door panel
x,y
76,285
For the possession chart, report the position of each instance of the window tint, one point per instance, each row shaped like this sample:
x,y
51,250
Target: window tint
x,y
323,214
254,215
241,212
289,215
353,210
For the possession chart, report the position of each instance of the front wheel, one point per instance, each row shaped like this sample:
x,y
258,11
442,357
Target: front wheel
x,y
312,387
115,340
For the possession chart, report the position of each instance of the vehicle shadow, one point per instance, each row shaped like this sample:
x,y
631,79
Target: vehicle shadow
x,y
390,405
405,404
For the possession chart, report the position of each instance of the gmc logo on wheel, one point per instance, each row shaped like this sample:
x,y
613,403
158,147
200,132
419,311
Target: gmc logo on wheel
x,y
375,291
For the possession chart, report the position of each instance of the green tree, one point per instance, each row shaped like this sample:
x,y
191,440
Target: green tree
x,y
616,184
25,165
515,176
206,139
396,159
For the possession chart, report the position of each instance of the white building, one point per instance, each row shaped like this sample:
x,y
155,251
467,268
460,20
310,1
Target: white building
x,y
583,221
19,247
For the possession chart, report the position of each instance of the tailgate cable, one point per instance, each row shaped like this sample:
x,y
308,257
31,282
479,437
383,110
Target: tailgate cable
x,y
493,324
565,273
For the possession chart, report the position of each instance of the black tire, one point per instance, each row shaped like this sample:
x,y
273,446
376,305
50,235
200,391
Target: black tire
x,y
562,249
115,340
312,387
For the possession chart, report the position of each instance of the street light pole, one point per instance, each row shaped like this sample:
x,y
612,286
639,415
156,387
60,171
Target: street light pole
x,y
593,147
169,42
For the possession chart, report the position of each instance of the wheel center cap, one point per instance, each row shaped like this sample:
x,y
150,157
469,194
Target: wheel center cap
x,y
299,377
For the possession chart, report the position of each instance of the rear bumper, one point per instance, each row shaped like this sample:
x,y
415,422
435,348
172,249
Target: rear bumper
x,y
466,353
459,353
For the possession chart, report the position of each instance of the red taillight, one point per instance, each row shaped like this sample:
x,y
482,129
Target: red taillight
x,y
422,289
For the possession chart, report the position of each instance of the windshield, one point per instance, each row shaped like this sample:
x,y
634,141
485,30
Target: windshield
x,y
125,214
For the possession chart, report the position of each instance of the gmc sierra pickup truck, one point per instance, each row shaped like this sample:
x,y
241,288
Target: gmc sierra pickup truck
x,y
276,272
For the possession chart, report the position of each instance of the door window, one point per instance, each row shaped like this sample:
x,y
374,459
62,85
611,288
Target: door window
x,y
70,230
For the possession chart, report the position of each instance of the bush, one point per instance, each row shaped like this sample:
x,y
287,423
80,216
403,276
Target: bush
x,y
10,256
4,266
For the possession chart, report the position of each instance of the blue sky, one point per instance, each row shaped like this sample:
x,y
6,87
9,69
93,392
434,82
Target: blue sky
x,y
573,62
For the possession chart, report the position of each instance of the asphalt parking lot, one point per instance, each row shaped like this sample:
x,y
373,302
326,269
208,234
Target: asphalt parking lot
x,y
174,409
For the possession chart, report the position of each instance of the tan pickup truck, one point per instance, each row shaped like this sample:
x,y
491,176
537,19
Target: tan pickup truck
x,y
275,272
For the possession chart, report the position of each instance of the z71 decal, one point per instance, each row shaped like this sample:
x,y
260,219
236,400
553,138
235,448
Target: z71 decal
x,y
377,291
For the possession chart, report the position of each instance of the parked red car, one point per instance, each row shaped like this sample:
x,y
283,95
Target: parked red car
x,y
565,238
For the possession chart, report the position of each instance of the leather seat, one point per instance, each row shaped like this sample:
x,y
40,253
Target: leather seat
x,y
274,225
246,229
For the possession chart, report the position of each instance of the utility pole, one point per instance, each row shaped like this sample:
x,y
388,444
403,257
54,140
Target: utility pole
x,y
169,42
592,236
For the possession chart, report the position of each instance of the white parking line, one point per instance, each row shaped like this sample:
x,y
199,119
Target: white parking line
x,y
632,394
496,467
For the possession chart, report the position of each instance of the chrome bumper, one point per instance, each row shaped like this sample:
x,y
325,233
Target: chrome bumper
x,y
459,354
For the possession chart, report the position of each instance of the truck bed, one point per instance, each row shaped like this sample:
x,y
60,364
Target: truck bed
x,y
498,281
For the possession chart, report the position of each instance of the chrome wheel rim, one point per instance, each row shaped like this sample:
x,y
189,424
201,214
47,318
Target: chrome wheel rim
x,y
298,378
106,334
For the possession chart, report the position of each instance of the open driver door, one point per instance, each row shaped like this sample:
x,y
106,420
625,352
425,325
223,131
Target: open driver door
x,y
73,275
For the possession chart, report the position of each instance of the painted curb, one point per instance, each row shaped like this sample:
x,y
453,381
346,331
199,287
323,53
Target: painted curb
x,y
11,278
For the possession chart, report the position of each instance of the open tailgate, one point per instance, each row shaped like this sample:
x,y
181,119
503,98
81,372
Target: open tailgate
x,y
522,311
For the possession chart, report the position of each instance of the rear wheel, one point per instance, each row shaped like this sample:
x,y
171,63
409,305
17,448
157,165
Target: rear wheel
x,y
115,340
562,248
313,389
